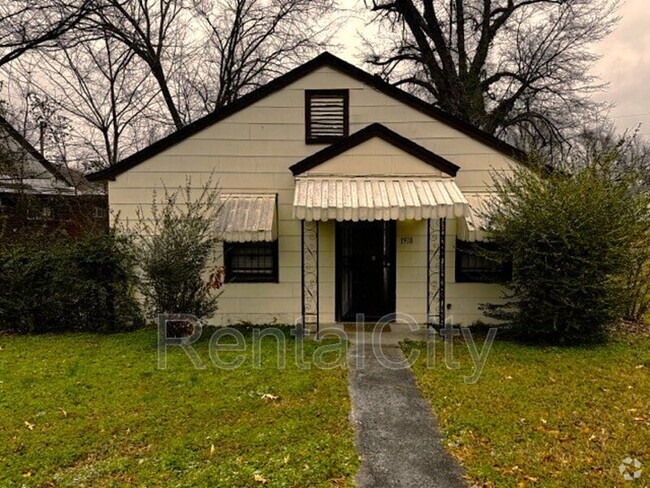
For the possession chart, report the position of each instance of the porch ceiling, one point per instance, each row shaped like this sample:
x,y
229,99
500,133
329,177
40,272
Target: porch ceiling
x,y
377,198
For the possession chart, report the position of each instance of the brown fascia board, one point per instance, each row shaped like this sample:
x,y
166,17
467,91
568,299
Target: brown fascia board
x,y
324,59
370,132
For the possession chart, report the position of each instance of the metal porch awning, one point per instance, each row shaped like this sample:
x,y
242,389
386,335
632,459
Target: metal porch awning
x,y
473,227
377,198
247,217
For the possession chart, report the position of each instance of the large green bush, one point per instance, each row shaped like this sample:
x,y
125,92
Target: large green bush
x,y
56,283
176,239
573,239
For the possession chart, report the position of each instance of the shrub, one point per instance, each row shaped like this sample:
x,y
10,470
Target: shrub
x,y
572,239
176,244
56,283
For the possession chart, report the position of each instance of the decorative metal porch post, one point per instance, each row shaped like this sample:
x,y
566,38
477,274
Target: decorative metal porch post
x,y
436,276
309,269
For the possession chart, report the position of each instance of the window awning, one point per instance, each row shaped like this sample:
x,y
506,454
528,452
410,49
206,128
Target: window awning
x,y
247,217
472,228
377,198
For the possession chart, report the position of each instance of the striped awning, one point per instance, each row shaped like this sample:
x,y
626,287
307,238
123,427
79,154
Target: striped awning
x,y
248,217
473,227
377,198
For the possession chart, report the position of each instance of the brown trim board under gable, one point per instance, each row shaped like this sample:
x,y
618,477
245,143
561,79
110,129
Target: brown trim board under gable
x,y
322,60
369,132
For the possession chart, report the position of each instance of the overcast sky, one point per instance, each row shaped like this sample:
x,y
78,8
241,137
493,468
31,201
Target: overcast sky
x,y
625,64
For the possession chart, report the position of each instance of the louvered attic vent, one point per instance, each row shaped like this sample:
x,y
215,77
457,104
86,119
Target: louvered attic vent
x,y
326,115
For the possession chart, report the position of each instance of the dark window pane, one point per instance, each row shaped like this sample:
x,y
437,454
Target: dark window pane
x,y
472,266
251,261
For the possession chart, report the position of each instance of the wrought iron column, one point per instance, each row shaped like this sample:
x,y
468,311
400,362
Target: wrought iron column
x,y
309,269
436,263
442,261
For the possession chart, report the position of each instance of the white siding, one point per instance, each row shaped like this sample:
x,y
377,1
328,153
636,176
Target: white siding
x,y
252,150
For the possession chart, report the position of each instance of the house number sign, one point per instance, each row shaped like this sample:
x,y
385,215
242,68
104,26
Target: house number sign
x,y
406,240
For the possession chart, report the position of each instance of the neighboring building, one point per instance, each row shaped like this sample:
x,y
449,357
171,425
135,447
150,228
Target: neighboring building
x,y
37,195
343,195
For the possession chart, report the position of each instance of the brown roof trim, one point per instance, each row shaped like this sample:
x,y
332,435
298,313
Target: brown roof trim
x,y
324,59
370,132
24,143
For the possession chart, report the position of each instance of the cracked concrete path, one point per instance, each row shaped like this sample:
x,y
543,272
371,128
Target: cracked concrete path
x,y
396,433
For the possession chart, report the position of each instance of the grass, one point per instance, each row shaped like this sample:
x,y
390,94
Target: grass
x,y
95,411
544,416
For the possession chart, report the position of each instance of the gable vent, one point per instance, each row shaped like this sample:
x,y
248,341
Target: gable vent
x,y
326,115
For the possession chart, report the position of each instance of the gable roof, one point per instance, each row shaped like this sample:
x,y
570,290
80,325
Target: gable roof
x,y
364,135
322,60
31,150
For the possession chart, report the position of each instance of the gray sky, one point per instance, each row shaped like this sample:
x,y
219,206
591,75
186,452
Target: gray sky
x,y
626,67
625,64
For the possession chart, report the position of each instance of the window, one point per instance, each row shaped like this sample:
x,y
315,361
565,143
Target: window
x,y
326,115
473,267
251,262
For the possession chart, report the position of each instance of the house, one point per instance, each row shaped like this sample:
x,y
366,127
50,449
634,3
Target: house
x,y
38,195
343,195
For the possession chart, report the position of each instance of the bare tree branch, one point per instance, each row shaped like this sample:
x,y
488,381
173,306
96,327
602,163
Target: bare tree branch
x,y
26,25
502,65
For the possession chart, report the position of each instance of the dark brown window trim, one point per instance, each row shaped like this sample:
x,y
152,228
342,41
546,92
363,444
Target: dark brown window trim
x,y
345,94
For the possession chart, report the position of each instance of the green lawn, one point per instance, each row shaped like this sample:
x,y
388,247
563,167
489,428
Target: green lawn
x,y
90,410
544,416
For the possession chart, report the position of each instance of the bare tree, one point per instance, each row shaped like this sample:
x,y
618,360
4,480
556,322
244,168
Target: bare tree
x,y
30,24
251,41
106,90
206,53
151,30
132,69
510,67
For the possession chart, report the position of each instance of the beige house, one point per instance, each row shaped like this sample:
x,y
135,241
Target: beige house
x,y
343,196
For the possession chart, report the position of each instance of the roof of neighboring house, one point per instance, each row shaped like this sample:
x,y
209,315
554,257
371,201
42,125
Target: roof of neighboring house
x,y
66,180
29,149
369,132
324,59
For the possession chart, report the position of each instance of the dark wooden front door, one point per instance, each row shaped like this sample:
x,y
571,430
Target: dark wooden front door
x,y
365,269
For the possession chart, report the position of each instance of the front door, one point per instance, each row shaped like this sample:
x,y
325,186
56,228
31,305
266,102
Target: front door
x,y
365,270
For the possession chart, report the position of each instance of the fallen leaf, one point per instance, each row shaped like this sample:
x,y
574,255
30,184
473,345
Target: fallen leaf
x,y
268,396
640,366
261,479
65,414
286,459
212,449
29,426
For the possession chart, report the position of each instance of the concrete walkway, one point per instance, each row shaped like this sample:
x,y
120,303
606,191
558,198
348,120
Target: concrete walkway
x,y
397,436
